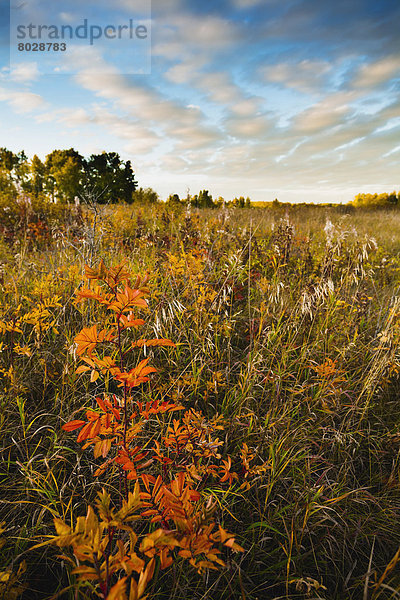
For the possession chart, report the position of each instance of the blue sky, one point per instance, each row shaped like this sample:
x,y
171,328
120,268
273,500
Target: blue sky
x,y
294,99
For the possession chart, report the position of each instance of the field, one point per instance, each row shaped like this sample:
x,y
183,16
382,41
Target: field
x,y
286,324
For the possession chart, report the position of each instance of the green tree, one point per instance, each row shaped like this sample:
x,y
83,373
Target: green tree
x,y
6,167
145,196
64,174
14,170
38,175
110,178
202,200
7,159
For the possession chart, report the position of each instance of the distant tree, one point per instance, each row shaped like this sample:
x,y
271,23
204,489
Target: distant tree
x,y
174,200
7,159
6,168
202,200
15,169
109,176
145,196
241,202
375,200
38,175
22,171
64,174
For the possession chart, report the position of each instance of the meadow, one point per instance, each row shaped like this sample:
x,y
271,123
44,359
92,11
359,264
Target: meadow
x,y
285,324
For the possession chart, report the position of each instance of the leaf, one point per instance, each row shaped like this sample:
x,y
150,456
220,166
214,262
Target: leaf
x,y
94,375
145,577
137,375
72,425
118,591
128,321
88,338
128,299
86,293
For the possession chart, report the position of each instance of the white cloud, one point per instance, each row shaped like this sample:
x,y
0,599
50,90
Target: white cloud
x,y
375,73
185,35
306,75
329,112
246,108
22,102
186,71
252,129
24,72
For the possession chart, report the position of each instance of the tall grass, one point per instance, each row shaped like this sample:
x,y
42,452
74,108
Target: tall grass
x,y
286,323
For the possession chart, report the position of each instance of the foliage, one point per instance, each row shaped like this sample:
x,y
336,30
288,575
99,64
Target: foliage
x,y
285,370
111,178
182,458
145,196
374,200
66,175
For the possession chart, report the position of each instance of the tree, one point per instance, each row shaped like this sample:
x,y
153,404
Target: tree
x,y
374,200
202,200
64,174
174,200
7,159
112,178
241,202
145,196
38,175
6,167
15,169
21,171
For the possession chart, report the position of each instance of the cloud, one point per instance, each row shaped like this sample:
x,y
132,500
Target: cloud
x,y
24,72
184,35
246,108
375,73
185,72
329,112
306,76
22,102
246,3
251,129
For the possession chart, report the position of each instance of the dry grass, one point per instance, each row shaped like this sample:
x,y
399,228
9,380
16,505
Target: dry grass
x,y
286,324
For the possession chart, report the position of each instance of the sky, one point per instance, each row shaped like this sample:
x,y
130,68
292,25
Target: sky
x,y
291,99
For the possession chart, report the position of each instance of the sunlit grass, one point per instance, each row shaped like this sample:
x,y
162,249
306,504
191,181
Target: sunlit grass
x,y
286,323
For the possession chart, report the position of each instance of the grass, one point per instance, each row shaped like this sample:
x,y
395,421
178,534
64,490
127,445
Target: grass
x,y
287,324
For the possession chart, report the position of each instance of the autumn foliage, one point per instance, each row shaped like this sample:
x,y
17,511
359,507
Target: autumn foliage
x,y
160,476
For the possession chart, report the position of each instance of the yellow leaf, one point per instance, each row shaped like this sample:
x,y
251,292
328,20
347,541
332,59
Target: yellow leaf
x,y
118,591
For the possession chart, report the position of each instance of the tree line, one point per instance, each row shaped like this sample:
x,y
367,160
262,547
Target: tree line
x,y
65,175
377,200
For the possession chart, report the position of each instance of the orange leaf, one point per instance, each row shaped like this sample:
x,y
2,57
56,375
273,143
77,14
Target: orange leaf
x,y
101,404
94,375
128,321
86,340
85,432
118,591
72,425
